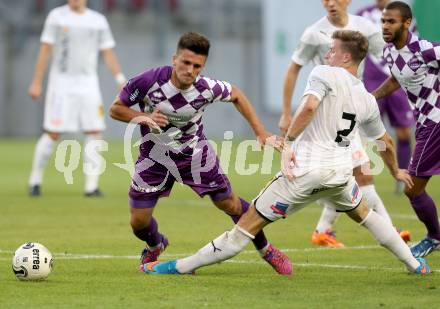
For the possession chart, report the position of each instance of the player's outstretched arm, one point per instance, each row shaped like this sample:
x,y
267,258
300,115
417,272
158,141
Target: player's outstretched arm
x,y
113,65
288,89
387,87
389,157
35,88
244,106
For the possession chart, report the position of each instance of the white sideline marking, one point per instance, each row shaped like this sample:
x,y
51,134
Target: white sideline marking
x,y
72,256
317,265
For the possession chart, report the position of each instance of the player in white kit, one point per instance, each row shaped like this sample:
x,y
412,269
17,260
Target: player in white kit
x,y
313,46
73,35
317,163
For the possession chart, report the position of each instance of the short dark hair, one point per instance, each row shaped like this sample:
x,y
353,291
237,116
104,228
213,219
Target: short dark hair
x,y
353,42
404,9
194,42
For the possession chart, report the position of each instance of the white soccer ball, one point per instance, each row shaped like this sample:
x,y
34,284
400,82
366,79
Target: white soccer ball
x,y
32,261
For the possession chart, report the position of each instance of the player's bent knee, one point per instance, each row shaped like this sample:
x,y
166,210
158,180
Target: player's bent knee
x,y
360,212
138,223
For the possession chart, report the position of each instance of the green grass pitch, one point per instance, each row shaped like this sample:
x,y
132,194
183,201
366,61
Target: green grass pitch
x,y
96,255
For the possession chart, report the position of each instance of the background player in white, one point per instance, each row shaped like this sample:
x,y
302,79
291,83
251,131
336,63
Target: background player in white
x,y
74,35
415,67
334,104
314,44
395,106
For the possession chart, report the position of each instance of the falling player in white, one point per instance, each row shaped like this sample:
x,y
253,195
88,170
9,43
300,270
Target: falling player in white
x,y
74,35
314,44
334,104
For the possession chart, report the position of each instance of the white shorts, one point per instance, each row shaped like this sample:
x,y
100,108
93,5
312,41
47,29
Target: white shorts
x,y
73,105
358,153
282,197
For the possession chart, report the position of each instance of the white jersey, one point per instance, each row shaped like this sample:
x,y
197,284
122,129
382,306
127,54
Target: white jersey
x,y
344,104
76,39
316,39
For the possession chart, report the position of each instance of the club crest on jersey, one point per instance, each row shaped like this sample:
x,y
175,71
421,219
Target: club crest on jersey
x,y
415,63
280,209
156,97
354,193
197,103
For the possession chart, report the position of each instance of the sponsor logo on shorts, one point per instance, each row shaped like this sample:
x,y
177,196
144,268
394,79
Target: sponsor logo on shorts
x,y
354,193
317,190
280,209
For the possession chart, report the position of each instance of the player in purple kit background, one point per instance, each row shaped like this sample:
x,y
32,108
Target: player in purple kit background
x,y
174,98
395,105
415,67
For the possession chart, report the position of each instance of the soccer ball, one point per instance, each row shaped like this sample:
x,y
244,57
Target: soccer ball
x,y
32,261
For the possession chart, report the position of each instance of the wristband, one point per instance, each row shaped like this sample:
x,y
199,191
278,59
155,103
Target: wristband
x,y
120,78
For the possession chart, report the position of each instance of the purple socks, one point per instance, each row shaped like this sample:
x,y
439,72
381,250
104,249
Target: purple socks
x,y
149,234
425,209
403,153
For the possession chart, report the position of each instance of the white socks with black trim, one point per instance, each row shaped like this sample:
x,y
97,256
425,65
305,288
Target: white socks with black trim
x,y
222,248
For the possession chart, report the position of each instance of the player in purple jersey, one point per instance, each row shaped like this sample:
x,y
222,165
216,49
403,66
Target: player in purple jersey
x,y
175,97
396,105
415,67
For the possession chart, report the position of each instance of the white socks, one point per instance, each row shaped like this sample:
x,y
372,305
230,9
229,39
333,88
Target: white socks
x,y
384,232
222,248
42,154
371,198
94,164
374,202
328,216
